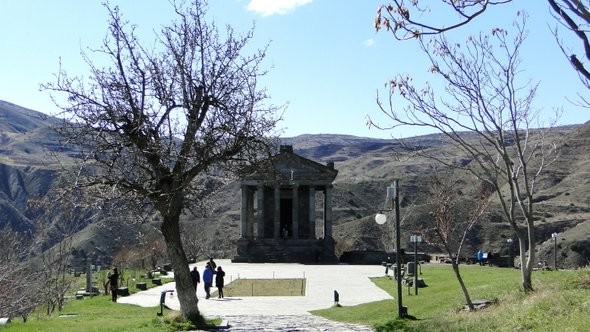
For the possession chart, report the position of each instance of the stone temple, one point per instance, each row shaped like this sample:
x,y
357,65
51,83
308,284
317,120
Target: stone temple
x,y
286,211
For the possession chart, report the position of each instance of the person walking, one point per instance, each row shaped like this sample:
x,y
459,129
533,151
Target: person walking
x,y
208,280
219,281
114,283
196,277
212,264
479,257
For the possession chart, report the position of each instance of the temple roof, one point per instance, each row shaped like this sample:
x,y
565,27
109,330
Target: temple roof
x,y
288,168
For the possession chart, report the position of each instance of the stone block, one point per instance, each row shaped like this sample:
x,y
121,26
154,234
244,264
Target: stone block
x,y
123,291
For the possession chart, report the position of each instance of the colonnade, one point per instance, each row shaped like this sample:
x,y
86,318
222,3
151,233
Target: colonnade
x,y
263,206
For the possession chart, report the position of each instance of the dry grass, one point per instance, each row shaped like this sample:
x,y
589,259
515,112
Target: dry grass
x,y
266,287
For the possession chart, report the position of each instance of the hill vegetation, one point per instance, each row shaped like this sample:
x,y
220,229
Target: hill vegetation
x,y
31,155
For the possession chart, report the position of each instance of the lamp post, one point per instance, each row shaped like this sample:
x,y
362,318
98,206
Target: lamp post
x,y
554,236
511,261
380,218
415,239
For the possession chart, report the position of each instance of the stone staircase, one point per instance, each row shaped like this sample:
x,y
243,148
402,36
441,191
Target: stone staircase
x,y
282,251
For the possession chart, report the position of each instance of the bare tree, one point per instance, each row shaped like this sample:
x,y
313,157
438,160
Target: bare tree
x,y
18,281
55,243
454,216
195,240
387,237
156,122
128,258
155,250
486,113
408,19
55,281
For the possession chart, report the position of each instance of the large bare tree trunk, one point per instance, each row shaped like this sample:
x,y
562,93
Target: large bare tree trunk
x,y
463,287
527,269
184,285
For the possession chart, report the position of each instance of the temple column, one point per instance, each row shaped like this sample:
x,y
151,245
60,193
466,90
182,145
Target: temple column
x,y
328,212
295,210
244,212
260,211
277,212
249,213
312,215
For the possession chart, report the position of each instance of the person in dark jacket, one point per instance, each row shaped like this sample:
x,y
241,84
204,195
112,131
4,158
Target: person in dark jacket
x,y
219,281
196,277
212,264
114,284
208,280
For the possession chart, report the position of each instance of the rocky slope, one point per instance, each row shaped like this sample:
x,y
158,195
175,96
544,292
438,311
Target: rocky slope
x,y
31,154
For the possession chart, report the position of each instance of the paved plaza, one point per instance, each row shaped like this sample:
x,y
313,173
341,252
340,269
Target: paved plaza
x,y
280,313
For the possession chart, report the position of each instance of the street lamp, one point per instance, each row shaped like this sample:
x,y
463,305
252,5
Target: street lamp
x,y
380,218
415,239
554,236
511,260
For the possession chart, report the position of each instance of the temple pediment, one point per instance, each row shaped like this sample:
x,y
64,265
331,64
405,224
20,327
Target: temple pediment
x,y
289,168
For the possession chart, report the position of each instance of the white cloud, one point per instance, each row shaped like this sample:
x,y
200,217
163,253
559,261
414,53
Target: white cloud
x,y
272,7
370,42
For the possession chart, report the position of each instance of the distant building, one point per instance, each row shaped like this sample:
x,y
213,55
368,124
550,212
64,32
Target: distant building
x,y
286,211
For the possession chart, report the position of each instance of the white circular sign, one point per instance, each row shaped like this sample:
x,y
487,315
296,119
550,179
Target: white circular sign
x,y
380,218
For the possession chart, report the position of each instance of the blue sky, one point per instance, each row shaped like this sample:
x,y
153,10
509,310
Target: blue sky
x,y
326,61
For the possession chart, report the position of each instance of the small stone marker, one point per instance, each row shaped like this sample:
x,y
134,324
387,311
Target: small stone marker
x,y
479,304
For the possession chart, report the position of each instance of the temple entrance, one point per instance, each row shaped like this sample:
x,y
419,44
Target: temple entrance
x,y
286,221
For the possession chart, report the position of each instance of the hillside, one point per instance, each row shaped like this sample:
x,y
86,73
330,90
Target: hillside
x,y
366,167
31,154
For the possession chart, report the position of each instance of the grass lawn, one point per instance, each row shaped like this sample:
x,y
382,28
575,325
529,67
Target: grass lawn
x,y
560,302
98,313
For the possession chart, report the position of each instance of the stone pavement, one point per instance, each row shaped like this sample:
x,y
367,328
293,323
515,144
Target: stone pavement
x,y
280,313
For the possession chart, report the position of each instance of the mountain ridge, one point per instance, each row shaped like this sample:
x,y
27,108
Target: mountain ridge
x,y
30,155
